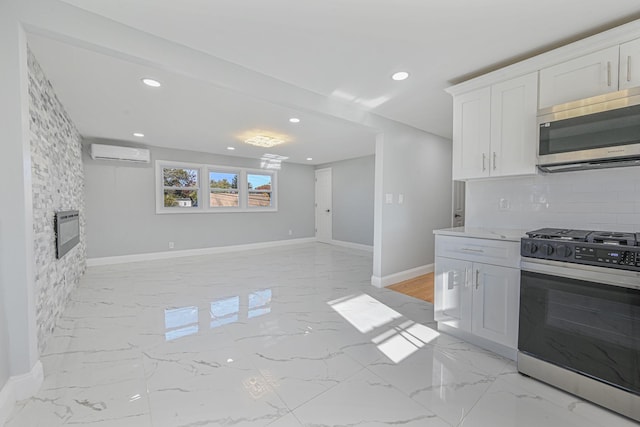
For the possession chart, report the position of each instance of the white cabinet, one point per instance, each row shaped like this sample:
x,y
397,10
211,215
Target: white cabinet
x,y
629,72
496,296
583,77
514,126
494,130
477,290
452,292
471,134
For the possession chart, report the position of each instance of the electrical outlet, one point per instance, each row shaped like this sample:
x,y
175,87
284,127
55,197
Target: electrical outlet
x,y
170,245
388,198
400,198
504,205
290,232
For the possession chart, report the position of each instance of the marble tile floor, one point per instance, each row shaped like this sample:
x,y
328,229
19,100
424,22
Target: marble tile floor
x,y
285,337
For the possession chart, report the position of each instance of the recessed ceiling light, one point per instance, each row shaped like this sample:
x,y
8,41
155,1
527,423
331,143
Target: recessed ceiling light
x,y
263,141
231,148
400,75
294,120
309,158
151,82
139,135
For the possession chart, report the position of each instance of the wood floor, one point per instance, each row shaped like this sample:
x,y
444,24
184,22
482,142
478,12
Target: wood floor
x,y
419,287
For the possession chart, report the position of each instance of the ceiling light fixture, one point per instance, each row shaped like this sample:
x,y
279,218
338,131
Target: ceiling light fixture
x,y
263,141
138,134
294,120
231,148
309,158
151,82
400,75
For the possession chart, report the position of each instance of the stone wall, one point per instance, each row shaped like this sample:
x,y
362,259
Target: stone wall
x,y
58,185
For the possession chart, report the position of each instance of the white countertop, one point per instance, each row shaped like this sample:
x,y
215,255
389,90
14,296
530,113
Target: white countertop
x,y
483,233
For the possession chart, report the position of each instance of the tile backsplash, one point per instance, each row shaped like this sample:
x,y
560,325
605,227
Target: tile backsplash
x,y
606,199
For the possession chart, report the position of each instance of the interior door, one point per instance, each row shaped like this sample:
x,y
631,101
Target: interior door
x,y
324,209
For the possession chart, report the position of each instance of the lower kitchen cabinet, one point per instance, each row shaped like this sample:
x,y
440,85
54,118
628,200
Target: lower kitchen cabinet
x,y
476,300
496,297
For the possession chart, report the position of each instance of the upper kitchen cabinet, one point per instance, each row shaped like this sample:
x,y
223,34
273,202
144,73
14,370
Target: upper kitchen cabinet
x,y
629,73
471,134
513,126
494,130
583,77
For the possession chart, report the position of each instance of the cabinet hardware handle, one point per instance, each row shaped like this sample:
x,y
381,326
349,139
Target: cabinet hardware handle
x,y
629,68
479,251
477,278
466,277
494,160
608,73
484,160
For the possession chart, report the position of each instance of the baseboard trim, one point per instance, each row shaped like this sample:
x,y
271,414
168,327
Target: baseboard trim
x,y
384,281
152,256
19,387
352,245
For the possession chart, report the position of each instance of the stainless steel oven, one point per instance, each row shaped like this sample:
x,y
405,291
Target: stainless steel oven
x,y
579,324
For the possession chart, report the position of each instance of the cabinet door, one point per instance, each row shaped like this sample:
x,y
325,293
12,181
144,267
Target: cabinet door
x,y
589,75
471,134
514,105
453,292
629,64
496,296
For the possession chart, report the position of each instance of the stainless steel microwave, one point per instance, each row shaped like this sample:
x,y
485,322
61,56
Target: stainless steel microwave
x,y
593,133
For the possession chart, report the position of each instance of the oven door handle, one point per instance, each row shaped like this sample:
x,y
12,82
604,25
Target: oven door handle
x,y
587,273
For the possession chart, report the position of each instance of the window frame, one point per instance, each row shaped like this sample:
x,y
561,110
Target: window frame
x,y
204,188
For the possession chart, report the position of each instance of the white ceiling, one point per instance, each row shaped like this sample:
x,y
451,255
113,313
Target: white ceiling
x,y
342,50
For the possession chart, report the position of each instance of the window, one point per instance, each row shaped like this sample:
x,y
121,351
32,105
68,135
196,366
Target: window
x,y
259,190
182,188
223,189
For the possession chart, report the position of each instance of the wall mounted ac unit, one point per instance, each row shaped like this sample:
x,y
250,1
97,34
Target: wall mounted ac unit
x,y
114,152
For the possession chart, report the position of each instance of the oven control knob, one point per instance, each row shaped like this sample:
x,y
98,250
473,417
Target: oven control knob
x,y
547,249
530,248
563,251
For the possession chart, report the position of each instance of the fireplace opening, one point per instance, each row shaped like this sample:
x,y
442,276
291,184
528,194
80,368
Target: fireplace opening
x,y
67,226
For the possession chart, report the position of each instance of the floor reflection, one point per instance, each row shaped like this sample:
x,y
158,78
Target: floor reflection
x,y
183,321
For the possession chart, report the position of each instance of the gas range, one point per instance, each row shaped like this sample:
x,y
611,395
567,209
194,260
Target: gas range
x,y
598,248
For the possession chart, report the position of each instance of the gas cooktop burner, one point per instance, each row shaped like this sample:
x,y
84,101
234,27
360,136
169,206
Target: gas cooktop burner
x,y
559,233
603,237
611,238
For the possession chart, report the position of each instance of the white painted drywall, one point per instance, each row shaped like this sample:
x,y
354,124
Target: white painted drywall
x,y
16,225
4,331
353,190
121,216
416,165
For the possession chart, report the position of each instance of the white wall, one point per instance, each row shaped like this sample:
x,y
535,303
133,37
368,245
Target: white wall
x,y
592,200
353,189
4,335
16,225
417,165
121,217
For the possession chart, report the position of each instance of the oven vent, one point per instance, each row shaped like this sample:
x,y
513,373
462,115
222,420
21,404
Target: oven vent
x,y
592,164
114,152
